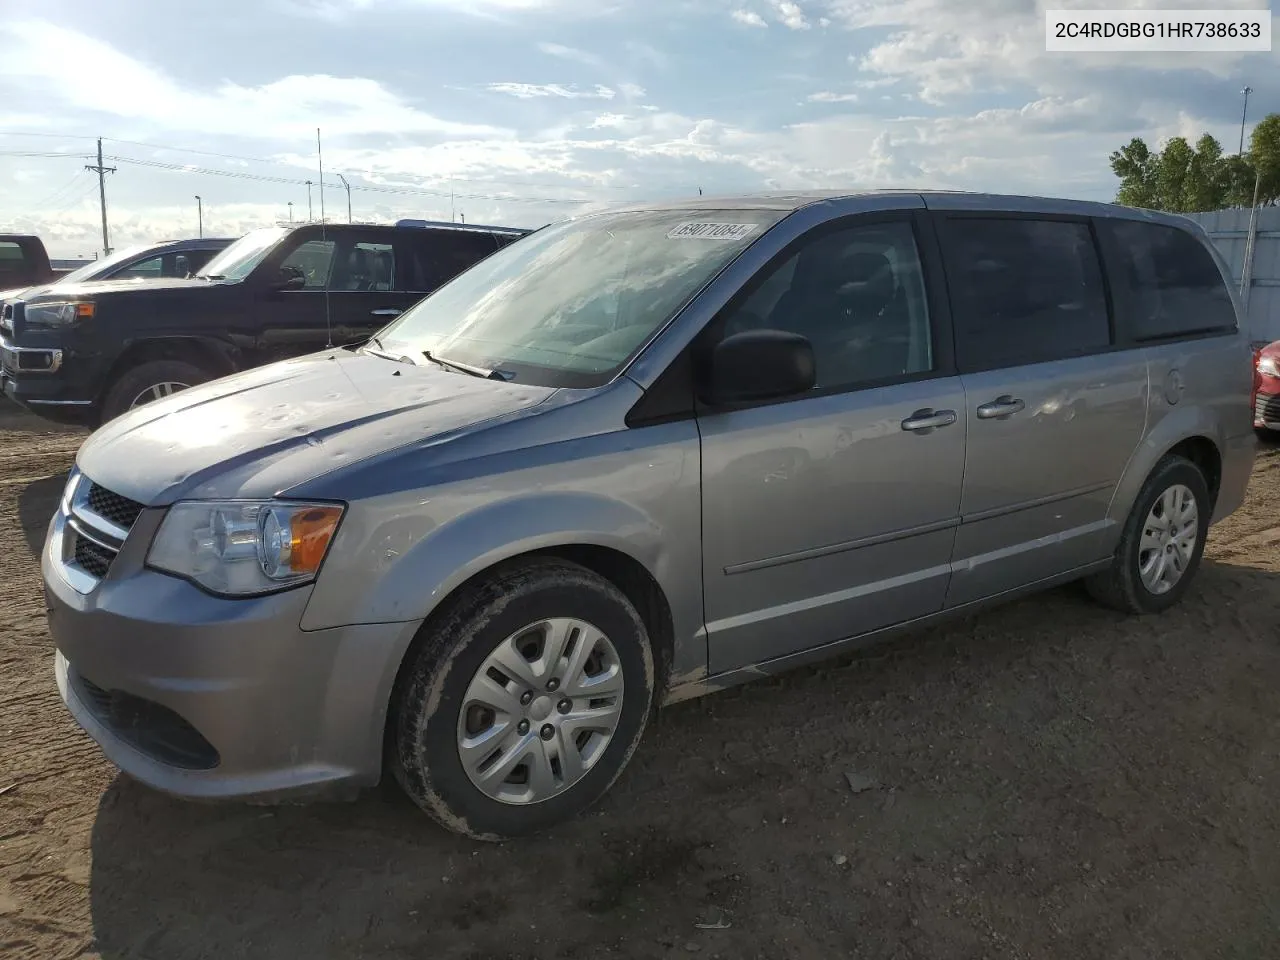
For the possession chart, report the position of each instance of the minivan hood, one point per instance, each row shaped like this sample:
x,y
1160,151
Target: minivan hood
x,y
263,431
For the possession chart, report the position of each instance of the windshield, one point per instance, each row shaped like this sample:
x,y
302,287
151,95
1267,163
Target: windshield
x,y
570,304
238,260
97,268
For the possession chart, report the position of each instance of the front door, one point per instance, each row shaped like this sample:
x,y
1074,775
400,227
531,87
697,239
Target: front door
x,y
834,514
1054,411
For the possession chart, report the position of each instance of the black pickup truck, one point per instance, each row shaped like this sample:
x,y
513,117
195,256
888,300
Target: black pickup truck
x,y
85,353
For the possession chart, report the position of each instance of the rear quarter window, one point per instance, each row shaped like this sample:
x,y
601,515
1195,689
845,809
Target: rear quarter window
x,y
1168,282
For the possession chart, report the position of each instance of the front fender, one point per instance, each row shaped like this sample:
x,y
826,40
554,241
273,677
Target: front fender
x,y
409,566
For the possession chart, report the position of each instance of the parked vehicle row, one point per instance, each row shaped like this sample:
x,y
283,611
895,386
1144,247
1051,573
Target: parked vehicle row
x,y
85,352
172,258
636,457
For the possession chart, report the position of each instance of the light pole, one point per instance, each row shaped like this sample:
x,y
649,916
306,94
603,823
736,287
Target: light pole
x,y
291,211
200,214
1244,113
348,186
308,201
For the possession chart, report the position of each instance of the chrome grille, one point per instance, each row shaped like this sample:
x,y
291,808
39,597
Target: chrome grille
x,y
93,558
93,524
119,510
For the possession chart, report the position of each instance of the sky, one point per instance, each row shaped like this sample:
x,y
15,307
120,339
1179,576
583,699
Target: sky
x,y
523,112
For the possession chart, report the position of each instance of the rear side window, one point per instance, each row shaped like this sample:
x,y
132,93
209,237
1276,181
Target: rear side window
x,y
1023,291
1172,284
440,255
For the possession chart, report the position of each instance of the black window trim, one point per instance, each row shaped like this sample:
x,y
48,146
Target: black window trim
x,y
1113,259
1115,344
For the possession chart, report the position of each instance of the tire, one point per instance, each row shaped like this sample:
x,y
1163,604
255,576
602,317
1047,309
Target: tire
x,y
134,382
1122,586
433,710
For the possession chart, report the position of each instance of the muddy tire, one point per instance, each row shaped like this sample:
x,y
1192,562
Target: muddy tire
x,y
1162,542
150,380
521,703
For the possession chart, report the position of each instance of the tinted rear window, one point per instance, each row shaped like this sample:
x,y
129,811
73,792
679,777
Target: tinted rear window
x,y
440,255
1171,282
1023,291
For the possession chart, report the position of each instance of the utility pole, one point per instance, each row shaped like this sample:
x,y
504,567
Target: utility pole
x,y
200,214
102,172
308,201
1244,113
348,186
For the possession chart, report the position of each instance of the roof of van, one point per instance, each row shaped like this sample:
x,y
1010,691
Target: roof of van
x,y
933,199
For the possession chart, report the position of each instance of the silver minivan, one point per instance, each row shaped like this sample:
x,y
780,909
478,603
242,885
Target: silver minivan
x,y
636,457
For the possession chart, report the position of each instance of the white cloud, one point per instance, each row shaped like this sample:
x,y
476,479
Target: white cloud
x,y
827,96
571,53
37,52
632,91
530,91
749,18
790,15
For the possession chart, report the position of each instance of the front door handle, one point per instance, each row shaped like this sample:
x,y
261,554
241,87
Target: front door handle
x,y
928,419
386,312
1001,408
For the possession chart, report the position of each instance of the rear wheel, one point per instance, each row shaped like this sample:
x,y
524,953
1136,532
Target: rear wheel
x,y
1162,542
524,701
149,381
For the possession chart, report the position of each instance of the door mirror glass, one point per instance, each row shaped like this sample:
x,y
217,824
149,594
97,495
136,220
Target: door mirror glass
x,y
290,278
760,365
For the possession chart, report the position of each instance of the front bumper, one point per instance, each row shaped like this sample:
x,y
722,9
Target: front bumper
x,y
212,698
1266,411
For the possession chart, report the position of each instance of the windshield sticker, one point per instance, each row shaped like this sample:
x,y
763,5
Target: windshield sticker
x,y
711,231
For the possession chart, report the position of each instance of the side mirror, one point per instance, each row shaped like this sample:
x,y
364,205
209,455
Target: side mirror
x,y
759,365
290,278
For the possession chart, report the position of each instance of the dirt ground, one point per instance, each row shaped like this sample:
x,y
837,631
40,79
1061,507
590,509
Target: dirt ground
x,y
1054,780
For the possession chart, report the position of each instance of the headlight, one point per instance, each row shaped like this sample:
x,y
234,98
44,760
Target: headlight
x,y
1269,366
58,314
243,547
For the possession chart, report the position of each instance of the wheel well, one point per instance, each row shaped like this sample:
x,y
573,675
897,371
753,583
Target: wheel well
x,y
638,585
1204,454
189,350
625,573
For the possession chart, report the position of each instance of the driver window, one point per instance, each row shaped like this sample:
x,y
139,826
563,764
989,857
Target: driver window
x,y
858,295
313,260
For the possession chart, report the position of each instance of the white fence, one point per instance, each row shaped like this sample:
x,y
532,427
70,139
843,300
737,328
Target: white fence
x,y
1259,262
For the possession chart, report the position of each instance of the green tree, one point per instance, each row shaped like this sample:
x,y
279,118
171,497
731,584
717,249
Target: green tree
x,y
1264,151
1181,178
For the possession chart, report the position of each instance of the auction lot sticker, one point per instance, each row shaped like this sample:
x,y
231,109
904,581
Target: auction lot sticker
x,y
1152,31
711,231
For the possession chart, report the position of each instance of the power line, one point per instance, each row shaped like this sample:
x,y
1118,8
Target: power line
x,y
267,160
102,172
369,188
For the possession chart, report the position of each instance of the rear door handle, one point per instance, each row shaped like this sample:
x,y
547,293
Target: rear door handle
x,y
928,419
386,312
1000,408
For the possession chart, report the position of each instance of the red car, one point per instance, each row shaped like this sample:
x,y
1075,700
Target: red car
x,y
1266,387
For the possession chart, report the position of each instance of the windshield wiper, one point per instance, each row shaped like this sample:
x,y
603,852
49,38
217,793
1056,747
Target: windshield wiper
x,y
465,367
378,350
213,276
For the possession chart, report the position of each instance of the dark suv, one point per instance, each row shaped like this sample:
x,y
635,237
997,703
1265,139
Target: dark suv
x,y
85,353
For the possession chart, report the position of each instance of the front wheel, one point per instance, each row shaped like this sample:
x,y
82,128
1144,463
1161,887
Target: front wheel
x,y
1162,542
152,380
522,704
